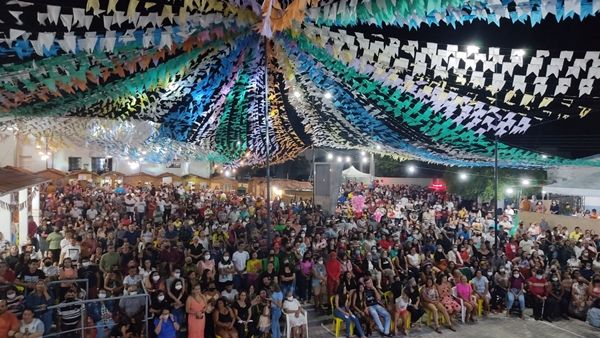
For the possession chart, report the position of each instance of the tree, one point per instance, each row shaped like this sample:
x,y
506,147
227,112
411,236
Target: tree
x,y
480,182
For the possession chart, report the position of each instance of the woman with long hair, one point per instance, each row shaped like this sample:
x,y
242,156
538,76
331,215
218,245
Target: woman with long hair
x,y
433,302
243,313
343,311
224,320
358,305
195,306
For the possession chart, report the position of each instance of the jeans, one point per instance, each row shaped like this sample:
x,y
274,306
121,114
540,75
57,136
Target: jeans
x,y
350,320
101,325
285,288
275,327
511,300
376,311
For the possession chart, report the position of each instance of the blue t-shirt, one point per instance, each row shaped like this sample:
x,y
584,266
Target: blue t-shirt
x,y
167,329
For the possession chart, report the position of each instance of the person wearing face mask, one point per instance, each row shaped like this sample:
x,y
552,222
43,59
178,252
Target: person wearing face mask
x,y
226,270
319,280
501,285
102,314
556,294
14,301
165,326
70,315
90,272
539,294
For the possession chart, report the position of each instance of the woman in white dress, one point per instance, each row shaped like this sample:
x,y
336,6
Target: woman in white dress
x,y
297,316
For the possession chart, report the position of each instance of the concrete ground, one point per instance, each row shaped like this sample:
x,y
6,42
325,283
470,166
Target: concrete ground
x,y
495,326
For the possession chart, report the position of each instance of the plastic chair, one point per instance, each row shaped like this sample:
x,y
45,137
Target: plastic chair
x,y
441,319
479,306
463,308
337,322
288,326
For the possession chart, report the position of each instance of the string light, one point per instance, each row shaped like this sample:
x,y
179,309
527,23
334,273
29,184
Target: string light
x,y
328,95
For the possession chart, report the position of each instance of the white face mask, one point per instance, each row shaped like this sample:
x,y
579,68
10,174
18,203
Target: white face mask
x,y
178,287
102,295
320,262
177,275
226,258
161,298
290,298
11,295
155,278
207,257
86,264
516,275
133,293
539,276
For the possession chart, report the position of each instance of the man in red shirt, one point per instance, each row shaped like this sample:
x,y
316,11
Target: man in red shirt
x,y
9,324
32,228
539,293
7,276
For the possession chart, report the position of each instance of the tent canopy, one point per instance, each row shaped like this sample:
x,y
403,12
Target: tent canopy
x,y
588,186
355,174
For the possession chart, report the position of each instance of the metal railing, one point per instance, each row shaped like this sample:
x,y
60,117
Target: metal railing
x,y
52,284
83,304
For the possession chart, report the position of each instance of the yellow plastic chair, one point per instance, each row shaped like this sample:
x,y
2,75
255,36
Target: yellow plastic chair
x,y
479,307
337,322
441,319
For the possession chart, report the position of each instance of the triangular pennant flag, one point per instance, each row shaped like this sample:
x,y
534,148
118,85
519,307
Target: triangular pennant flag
x,y
17,15
53,13
67,21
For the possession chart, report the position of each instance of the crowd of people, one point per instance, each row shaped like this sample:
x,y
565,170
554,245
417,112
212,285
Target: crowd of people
x,y
205,263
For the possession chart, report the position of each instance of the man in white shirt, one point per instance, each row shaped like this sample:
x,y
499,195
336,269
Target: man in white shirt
x,y
71,250
526,244
239,259
30,327
229,293
140,210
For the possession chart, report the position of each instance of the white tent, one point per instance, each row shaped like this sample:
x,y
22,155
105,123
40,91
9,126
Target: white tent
x,y
585,185
354,174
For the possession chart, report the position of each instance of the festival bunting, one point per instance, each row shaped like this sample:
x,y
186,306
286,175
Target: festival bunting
x,y
208,79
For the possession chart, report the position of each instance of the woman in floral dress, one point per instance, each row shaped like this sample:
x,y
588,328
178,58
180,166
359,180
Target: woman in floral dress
x,y
445,291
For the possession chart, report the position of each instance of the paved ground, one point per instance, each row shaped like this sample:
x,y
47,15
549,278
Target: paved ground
x,y
495,326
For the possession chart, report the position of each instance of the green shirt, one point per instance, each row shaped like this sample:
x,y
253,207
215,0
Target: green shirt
x,y
53,240
108,260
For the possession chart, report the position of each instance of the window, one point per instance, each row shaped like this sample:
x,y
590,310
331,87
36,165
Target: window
x,y
101,164
74,163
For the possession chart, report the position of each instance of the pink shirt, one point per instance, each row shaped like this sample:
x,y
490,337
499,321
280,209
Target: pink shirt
x,y
463,290
306,267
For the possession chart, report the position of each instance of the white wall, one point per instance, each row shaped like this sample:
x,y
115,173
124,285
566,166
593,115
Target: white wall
x,y
561,174
7,150
28,157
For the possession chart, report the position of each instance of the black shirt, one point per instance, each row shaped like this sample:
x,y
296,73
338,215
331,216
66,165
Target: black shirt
x,y
370,297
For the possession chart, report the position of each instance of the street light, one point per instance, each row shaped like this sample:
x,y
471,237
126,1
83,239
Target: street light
x,y
509,191
411,169
339,159
463,176
348,159
471,49
365,160
329,156
525,182
362,153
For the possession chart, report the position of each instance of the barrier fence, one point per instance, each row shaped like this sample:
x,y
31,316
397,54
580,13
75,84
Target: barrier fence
x,y
83,303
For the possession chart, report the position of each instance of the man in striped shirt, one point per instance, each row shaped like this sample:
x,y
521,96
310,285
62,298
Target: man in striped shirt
x,y
70,315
